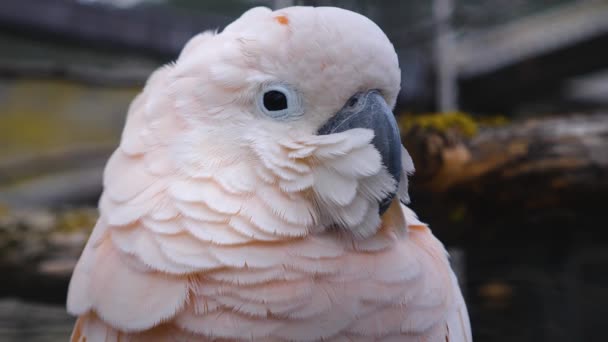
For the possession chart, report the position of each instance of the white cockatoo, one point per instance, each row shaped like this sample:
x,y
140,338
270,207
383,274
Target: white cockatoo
x,y
257,195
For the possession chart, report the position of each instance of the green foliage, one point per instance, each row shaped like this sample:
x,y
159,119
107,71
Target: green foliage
x,y
38,116
458,214
463,123
493,121
442,122
77,219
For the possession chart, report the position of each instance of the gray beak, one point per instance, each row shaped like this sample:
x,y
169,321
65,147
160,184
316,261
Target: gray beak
x,y
369,110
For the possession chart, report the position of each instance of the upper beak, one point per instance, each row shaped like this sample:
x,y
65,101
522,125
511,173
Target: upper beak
x,y
369,110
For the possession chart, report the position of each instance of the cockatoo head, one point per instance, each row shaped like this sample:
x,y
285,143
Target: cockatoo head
x,y
293,106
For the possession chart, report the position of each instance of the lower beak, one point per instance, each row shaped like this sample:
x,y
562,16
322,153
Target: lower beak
x,y
372,112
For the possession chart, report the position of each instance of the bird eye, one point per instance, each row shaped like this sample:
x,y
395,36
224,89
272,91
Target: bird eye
x,y
280,101
275,100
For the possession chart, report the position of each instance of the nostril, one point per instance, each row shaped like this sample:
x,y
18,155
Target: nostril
x,y
353,101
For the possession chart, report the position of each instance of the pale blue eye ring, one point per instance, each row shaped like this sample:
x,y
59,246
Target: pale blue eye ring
x,y
280,101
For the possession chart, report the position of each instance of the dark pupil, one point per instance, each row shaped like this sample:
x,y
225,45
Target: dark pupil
x,y
275,100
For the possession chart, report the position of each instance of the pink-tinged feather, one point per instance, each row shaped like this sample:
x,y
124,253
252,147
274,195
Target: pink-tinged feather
x,y
227,325
319,327
294,186
200,211
158,162
315,267
206,192
125,214
185,250
333,189
143,246
215,233
264,174
259,310
340,144
131,142
321,247
165,210
266,221
376,243
363,162
297,211
130,300
133,181
271,292
353,214
237,179
247,228
251,276
301,153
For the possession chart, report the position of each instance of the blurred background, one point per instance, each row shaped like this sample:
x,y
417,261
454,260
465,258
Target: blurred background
x,y
504,108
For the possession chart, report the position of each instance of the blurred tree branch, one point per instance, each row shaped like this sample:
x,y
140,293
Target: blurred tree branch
x,y
538,173
28,165
565,151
